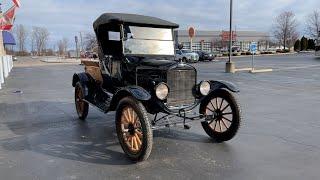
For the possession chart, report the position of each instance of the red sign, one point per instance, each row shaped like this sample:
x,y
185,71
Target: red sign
x,y
225,36
7,19
192,32
17,3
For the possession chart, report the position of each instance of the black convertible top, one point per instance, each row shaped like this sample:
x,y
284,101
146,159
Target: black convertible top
x,y
132,19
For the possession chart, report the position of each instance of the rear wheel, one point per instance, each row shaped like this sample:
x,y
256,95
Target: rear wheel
x,y
223,115
134,129
82,107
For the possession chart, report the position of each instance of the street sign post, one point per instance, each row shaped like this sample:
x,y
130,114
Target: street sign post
x,y
253,50
192,33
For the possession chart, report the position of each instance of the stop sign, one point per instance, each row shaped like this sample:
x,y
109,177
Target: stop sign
x,y
192,32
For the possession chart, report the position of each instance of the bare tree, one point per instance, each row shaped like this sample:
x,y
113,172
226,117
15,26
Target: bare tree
x,y
66,44
90,42
21,33
285,29
41,38
313,24
63,46
33,38
60,48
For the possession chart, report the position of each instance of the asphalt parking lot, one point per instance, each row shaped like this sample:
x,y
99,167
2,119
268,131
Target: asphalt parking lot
x,y
41,138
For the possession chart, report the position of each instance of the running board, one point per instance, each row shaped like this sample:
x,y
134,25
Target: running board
x,y
98,107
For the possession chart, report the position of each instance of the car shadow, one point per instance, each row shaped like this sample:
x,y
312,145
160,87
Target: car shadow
x,y
52,128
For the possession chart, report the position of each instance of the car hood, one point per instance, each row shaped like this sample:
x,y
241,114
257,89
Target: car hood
x,y
152,62
157,63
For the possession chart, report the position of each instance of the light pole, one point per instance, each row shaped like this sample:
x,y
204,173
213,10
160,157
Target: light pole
x,y
230,67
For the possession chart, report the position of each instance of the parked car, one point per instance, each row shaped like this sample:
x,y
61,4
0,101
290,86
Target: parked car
x,y
187,56
203,55
236,49
91,55
136,76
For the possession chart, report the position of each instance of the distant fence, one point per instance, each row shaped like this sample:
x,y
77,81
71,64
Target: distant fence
x,y
6,65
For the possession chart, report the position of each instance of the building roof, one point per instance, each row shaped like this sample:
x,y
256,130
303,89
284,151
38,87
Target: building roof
x,y
132,19
183,35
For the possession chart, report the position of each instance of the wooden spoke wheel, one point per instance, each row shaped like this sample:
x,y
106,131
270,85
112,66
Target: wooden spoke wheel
x,y
82,107
134,129
131,129
222,115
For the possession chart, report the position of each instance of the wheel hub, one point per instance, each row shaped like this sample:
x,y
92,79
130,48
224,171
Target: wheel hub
x,y
218,113
131,129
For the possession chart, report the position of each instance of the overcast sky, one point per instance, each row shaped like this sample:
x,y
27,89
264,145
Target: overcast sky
x,y
66,18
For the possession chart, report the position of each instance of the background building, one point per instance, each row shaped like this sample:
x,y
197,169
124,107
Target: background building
x,y
219,40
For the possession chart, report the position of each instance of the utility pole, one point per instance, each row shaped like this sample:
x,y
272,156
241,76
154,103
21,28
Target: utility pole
x,y
77,47
230,66
81,42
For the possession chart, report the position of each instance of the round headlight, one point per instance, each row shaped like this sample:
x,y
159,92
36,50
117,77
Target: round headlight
x,y
162,91
204,88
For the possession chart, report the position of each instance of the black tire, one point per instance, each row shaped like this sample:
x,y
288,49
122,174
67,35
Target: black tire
x,y
230,125
82,107
184,59
143,132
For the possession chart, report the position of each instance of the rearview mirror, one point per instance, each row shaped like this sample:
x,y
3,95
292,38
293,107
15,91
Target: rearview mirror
x,y
180,46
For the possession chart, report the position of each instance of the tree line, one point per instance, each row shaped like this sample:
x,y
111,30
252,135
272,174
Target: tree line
x,y
285,30
38,38
35,41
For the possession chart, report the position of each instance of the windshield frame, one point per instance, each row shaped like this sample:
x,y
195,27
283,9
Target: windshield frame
x,y
124,39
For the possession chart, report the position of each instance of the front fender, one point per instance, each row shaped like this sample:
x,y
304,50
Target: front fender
x,y
135,91
215,85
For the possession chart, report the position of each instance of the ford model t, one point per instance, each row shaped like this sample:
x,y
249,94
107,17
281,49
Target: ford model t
x,y
137,77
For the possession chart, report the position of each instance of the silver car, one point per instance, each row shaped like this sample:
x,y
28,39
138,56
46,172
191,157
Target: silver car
x,y
187,56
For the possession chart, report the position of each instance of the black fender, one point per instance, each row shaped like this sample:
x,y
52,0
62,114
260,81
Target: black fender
x,y
84,80
137,92
215,85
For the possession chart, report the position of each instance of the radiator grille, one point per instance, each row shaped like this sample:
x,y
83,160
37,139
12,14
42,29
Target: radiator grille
x,y
181,83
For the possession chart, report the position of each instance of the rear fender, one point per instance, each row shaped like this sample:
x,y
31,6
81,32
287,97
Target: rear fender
x,y
84,80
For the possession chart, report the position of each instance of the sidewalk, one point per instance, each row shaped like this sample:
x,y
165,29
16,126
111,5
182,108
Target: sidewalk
x,y
59,60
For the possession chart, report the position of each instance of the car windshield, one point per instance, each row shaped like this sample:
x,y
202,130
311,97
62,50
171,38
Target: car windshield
x,y
148,41
186,51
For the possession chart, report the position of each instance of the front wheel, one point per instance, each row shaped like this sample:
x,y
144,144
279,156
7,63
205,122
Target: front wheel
x,y
184,59
223,115
134,129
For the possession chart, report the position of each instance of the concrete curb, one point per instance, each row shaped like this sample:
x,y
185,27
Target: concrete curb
x,y
260,55
260,70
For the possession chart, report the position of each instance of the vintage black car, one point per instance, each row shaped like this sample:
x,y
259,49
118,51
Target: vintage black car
x,y
203,56
137,77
